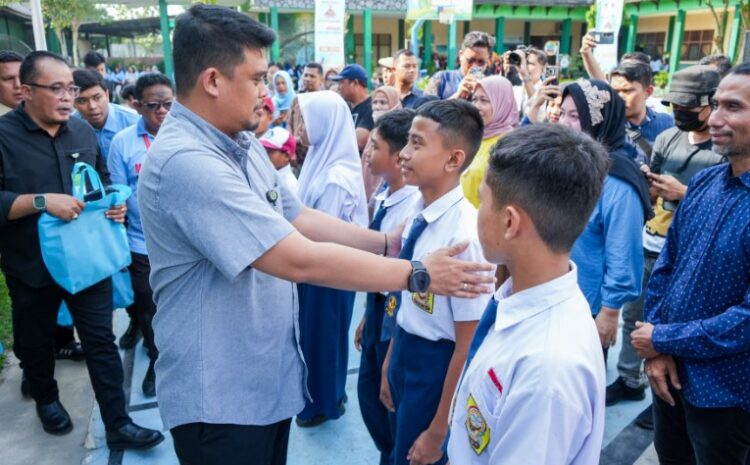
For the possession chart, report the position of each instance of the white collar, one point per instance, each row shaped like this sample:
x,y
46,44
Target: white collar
x,y
397,197
514,308
437,208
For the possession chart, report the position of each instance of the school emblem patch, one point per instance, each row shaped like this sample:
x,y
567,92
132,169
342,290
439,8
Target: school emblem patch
x,y
391,305
424,300
476,427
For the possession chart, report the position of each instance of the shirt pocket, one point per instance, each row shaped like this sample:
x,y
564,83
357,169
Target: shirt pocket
x,y
489,392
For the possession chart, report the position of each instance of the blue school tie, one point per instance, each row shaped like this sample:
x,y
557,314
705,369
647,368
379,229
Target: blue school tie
x,y
483,328
393,302
377,220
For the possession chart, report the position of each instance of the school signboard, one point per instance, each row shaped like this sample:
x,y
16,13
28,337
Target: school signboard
x,y
453,10
608,20
329,32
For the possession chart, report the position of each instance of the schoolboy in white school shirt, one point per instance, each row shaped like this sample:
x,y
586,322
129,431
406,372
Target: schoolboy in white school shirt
x,y
533,388
433,333
393,205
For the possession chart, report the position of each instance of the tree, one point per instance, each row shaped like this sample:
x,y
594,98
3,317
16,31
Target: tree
x,y
720,11
70,14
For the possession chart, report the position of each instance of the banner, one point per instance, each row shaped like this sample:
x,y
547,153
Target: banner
x,y
329,32
608,19
457,10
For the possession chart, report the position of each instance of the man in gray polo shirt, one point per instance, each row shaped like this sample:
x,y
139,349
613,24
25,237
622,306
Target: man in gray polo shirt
x,y
227,240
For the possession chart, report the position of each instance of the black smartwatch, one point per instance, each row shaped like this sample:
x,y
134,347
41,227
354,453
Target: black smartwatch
x,y
40,202
419,279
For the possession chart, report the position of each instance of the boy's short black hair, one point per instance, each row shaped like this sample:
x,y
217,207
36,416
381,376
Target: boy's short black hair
x,y
127,92
149,80
29,70
458,121
555,174
635,71
742,68
394,126
88,78
208,36
93,59
636,56
314,65
9,56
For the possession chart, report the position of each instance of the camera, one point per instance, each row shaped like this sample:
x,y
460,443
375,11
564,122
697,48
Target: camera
x,y
515,56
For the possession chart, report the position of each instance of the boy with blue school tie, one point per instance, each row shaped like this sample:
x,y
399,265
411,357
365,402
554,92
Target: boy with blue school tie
x,y
432,333
393,206
533,388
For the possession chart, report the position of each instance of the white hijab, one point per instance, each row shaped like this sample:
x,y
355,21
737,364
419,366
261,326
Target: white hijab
x,y
333,156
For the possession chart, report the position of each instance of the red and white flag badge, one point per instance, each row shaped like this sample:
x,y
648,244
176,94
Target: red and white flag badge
x,y
495,380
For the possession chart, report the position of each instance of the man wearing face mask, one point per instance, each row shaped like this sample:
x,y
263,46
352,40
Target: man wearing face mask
x,y
678,154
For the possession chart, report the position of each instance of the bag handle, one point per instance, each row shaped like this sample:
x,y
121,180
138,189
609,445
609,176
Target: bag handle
x,y
80,174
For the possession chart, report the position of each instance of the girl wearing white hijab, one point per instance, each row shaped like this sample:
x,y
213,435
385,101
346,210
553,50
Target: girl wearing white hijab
x,y
330,181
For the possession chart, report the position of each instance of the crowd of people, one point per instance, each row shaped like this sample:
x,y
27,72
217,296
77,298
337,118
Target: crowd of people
x,y
500,222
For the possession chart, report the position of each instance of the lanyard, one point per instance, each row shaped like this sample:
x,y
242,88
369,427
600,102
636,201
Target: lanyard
x,y
146,141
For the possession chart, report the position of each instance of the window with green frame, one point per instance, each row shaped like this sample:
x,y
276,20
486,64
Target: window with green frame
x,y
696,44
381,46
651,43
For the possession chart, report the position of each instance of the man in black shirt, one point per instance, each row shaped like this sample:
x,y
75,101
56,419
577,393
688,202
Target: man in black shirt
x,y
39,144
353,88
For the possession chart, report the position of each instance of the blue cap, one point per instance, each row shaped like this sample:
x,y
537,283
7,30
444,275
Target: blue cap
x,y
353,72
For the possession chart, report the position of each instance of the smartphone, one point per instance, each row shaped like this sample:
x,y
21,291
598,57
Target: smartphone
x,y
476,72
553,71
604,37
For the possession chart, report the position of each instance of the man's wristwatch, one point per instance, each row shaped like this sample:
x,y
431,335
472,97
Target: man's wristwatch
x,y
419,278
40,202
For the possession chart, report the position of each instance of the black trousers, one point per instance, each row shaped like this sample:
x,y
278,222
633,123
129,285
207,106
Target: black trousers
x,y
144,307
34,323
212,444
688,435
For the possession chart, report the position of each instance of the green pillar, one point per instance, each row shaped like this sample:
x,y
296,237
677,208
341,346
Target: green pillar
x,y
401,34
467,27
676,45
632,31
166,39
526,32
275,52
351,49
670,34
499,34
452,45
566,36
263,18
734,40
367,19
427,44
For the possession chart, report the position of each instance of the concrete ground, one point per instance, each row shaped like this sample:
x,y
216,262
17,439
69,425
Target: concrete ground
x,y
22,440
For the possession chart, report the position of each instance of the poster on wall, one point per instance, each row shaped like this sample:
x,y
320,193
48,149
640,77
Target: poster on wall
x,y
329,32
608,22
457,10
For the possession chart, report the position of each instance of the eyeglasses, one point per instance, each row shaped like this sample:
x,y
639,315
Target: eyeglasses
x,y
59,90
153,106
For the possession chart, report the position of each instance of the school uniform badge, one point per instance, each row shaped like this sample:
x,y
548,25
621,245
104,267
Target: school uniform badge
x,y
424,300
390,305
476,427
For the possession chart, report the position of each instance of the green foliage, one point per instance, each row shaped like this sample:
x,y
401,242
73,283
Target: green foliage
x,y
591,18
661,79
6,323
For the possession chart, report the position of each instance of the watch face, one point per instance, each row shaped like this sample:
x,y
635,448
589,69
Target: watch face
x,y
421,280
40,203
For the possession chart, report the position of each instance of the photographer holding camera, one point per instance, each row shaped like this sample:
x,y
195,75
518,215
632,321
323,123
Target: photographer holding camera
x,y
530,64
474,57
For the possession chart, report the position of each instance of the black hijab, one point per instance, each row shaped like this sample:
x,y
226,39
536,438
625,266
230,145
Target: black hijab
x,y
602,115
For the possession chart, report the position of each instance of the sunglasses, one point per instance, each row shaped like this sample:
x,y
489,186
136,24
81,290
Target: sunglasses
x,y
153,106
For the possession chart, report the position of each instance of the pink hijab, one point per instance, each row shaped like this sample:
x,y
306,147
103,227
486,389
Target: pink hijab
x,y
504,108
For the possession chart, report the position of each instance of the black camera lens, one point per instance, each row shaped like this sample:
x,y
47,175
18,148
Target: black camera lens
x,y
514,58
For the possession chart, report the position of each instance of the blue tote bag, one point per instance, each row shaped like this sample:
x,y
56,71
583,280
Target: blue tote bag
x,y
82,252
